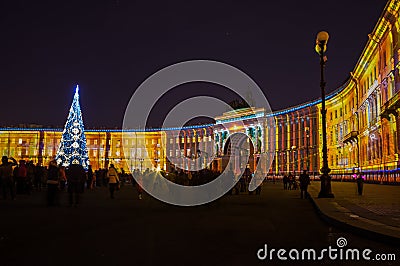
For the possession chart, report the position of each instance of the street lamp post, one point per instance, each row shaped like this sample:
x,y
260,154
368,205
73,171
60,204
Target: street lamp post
x,y
307,148
325,192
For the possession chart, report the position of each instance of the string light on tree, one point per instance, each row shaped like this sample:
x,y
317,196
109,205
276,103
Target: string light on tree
x,y
73,141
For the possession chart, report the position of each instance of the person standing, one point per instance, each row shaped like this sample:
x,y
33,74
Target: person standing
x,y
113,179
139,184
304,182
21,177
6,176
76,177
89,181
38,177
360,184
63,178
30,176
285,182
53,182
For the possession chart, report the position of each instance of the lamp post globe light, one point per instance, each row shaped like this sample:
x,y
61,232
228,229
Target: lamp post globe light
x,y
326,189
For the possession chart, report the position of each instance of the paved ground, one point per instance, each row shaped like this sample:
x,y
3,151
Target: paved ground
x,y
377,210
126,231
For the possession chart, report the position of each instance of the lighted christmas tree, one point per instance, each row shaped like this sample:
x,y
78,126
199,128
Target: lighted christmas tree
x,y
73,141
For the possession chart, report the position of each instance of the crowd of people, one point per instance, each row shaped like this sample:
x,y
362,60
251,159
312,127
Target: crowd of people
x,y
24,177
290,183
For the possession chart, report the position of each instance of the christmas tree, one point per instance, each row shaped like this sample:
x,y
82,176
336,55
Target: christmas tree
x,y
73,141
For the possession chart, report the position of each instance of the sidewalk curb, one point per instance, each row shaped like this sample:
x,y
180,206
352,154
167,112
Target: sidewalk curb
x,y
373,235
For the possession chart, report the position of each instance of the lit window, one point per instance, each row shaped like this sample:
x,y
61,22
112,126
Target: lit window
x,y
95,142
20,141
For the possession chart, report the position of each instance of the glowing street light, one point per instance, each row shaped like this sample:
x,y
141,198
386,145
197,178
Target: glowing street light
x,y
320,47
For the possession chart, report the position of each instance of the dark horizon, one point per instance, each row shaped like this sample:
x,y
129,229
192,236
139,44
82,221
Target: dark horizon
x,y
110,47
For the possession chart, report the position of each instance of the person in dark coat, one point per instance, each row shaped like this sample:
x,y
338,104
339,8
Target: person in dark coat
x,y
304,182
89,181
6,176
53,183
76,177
285,182
39,173
360,184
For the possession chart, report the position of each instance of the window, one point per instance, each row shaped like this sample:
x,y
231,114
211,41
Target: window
x,y
341,112
20,141
331,116
95,142
335,114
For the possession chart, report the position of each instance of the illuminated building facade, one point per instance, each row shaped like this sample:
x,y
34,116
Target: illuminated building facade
x,y
363,126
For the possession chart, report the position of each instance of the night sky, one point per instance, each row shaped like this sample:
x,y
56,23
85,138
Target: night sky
x,y
110,47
